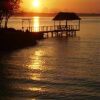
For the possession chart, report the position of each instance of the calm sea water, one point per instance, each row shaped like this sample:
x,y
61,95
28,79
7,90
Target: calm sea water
x,y
56,68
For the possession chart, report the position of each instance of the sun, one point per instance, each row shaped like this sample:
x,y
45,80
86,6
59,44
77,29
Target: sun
x,y
35,3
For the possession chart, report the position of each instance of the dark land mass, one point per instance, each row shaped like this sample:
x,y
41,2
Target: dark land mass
x,y
11,39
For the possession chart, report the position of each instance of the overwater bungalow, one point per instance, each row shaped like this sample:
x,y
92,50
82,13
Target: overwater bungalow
x,y
67,21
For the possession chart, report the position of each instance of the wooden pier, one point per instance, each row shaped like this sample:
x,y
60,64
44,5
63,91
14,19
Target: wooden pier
x,y
59,29
54,31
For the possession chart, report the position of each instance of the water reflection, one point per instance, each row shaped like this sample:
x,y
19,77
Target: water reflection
x,y
35,89
36,65
36,23
36,61
36,70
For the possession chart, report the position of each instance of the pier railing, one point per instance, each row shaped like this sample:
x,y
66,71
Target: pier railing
x,y
52,28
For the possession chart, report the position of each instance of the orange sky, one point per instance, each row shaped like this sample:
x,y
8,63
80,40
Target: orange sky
x,y
88,6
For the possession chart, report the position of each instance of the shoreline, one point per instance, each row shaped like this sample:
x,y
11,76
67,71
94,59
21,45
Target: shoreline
x,y
11,39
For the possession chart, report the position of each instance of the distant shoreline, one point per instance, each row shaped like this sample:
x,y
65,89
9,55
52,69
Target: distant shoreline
x,y
53,14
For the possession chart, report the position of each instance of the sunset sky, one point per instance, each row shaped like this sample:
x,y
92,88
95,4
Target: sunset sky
x,y
81,6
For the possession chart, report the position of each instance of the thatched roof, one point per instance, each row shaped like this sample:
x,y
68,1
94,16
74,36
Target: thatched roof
x,y
66,16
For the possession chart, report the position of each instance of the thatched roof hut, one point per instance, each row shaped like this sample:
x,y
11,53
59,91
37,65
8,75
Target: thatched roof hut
x,y
66,16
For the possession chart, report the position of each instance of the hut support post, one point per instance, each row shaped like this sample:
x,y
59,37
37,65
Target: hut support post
x,y
66,28
59,23
60,28
79,24
66,24
54,25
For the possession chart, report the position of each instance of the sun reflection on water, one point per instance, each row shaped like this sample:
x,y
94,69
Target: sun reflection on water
x,y
36,66
36,23
36,69
35,89
37,61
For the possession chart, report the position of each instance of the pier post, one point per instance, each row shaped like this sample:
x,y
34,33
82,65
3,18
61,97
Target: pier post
x,y
51,34
57,34
47,35
79,25
74,33
54,25
66,33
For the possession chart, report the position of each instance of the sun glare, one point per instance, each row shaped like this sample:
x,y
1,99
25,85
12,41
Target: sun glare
x,y
35,3
36,24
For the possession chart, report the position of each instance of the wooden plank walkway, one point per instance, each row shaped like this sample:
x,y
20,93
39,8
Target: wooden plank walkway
x,y
57,30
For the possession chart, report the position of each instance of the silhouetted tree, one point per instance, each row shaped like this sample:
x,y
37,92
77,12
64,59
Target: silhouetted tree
x,y
7,9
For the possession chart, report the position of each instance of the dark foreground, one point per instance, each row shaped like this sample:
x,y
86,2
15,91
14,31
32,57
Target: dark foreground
x,y
43,72
11,39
